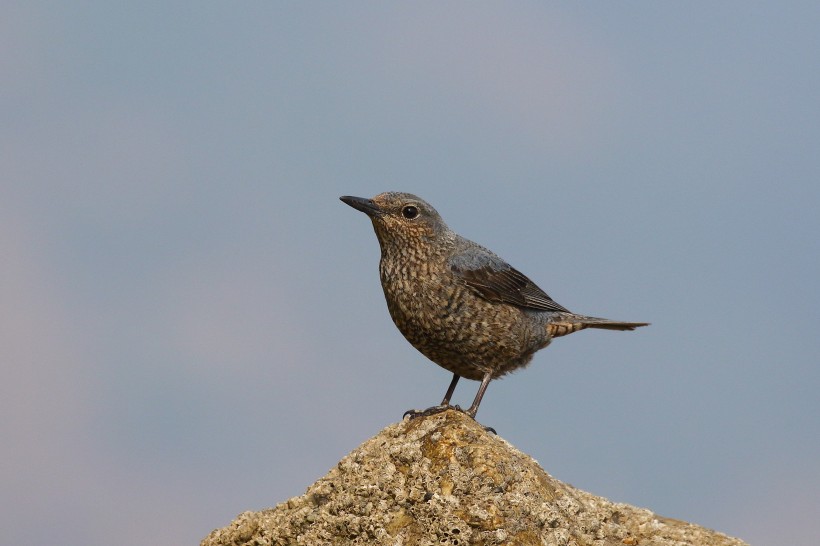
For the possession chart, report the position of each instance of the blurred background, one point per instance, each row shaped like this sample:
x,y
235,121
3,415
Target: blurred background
x,y
192,324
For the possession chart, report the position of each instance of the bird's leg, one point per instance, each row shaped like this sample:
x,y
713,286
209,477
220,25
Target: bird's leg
x,y
445,404
484,382
479,395
450,390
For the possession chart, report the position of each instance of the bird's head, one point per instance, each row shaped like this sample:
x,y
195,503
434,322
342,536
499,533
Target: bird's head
x,y
400,217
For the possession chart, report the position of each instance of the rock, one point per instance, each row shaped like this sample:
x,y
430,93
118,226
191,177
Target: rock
x,y
445,480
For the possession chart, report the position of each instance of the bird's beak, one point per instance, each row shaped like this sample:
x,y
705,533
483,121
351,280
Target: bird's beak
x,y
367,206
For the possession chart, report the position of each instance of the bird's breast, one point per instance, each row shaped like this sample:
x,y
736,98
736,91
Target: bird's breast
x,y
453,326
420,296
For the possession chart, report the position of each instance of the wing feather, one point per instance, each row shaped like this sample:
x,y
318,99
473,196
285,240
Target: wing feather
x,y
499,282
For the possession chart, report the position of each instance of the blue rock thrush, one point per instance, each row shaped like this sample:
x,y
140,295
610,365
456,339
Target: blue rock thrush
x,y
459,304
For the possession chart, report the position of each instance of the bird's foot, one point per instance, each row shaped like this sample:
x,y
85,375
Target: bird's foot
x,y
471,412
412,414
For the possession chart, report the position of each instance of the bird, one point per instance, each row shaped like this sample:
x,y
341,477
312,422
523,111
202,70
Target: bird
x,y
458,303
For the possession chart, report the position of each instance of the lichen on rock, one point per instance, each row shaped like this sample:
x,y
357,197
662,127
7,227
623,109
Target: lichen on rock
x,y
444,480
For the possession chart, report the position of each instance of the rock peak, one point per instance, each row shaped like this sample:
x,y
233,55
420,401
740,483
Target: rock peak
x,y
445,480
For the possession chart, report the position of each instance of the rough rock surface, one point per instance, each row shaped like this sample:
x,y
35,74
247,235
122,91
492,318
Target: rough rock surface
x,y
444,480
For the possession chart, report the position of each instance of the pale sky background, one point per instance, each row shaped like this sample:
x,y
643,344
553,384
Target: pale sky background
x,y
192,324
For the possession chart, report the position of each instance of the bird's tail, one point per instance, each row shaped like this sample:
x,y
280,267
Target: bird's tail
x,y
567,323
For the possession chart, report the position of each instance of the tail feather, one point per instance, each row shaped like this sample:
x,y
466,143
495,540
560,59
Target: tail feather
x,y
623,326
568,323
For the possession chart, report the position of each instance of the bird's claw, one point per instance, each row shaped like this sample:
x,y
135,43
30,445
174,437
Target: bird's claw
x,y
413,413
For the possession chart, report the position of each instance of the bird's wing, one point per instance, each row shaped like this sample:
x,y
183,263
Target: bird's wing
x,y
496,281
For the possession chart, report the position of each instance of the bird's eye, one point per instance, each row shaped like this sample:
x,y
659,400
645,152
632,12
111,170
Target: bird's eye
x,y
409,212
